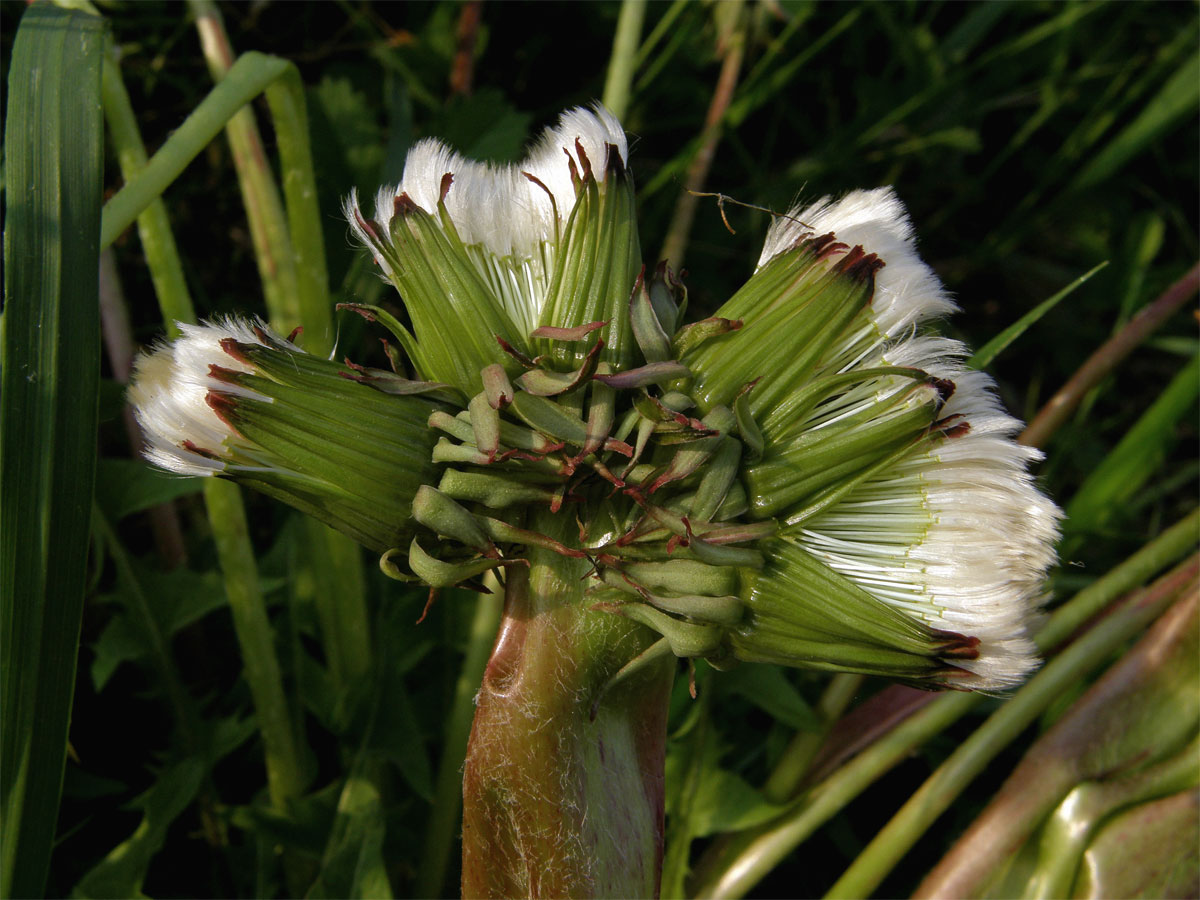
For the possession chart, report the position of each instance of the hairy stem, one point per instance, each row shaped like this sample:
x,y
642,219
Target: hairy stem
x,y
563,786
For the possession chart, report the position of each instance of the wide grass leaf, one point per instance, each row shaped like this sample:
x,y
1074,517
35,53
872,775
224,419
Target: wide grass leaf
x,y
51,359
1114,483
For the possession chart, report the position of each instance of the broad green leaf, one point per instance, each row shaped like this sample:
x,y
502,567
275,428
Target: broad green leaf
x,y
726,802
125,486
484,126
174,599
122,871
51,342
348,122
397,735
768,688
714,799
353,865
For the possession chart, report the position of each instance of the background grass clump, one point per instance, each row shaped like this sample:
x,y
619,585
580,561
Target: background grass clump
x,y
1032,142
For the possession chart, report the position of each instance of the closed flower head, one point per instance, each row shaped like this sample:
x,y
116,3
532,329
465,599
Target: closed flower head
x,y
233,399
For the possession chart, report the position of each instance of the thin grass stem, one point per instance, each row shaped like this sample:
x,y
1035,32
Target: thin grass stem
x,y
290,250
223,500
260,195
733,47
623,62
789,772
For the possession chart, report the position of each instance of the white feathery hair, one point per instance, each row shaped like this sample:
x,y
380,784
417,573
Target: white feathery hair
x,y
496,205
975,559
168,391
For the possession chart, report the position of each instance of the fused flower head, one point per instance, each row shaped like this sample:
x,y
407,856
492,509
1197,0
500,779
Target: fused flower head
x,y
805,478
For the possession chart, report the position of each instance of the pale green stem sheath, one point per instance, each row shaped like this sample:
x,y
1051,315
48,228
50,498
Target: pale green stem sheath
x,y
256,639
223,500
933,798
623,62
739,865
563,797
291,261
1078,818
1145,706
260,196
447,802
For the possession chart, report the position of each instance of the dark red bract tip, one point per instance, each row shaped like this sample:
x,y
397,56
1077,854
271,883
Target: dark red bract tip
x,y
583,160
574,169
370,226
945,388
614,163
859,265
220,373
824,245
199,451
223,405
444,189
403,205
233,348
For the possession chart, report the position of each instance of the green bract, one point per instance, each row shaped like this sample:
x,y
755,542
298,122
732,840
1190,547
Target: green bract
x,y
233,399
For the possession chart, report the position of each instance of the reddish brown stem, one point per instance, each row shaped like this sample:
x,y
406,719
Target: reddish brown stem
x,y
685,208
463,71
1107,357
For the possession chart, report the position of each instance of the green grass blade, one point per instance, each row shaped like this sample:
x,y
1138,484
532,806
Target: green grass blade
x,y
51,361
247,79
988,352
223,500
623,62
154,225
1176,100
1124,472
304,220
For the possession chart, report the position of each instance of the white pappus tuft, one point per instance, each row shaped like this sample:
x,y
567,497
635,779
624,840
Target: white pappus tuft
x,y
169,395
496,209
957,533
